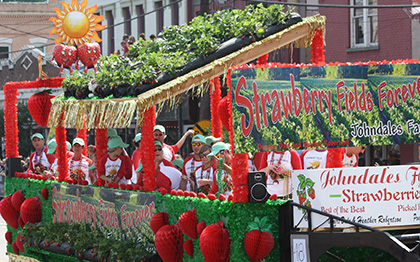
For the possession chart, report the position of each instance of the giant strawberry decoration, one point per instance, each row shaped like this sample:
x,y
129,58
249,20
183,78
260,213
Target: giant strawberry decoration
x,y
39,105
17,199
215,243
19,243
159,220
65,56
258,242
169,243
89,54
31,211
188,223
9,237
8,212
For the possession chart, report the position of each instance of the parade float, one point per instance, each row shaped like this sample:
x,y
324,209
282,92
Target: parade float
x,y
65,220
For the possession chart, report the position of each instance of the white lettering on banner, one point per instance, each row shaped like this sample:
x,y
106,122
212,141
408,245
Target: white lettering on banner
x,y
354,194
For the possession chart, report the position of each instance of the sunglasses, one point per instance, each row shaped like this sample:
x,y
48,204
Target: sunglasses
x,y
196,143
158,134
158,149
202,155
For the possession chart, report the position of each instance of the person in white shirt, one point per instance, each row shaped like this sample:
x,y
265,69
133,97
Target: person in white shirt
x,y
79,164
351,156
111,167
40,160
205,173
192,162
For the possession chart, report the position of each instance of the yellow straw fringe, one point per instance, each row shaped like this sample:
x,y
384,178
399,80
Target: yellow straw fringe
x,y
114,113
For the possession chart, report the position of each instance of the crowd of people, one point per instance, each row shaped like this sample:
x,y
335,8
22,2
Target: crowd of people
x,y
129,40
199,172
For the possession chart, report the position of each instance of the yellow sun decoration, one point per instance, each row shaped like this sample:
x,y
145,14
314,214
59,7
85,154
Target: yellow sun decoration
x,y
76,24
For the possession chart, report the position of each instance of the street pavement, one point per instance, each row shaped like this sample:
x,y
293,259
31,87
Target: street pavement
x,y
3,242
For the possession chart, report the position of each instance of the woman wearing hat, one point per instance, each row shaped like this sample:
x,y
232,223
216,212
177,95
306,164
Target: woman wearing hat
x,y
79,164
111,167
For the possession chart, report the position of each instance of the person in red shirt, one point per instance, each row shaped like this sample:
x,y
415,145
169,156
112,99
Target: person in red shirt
x,y
111,167
129,170
40,160
192,162
159,132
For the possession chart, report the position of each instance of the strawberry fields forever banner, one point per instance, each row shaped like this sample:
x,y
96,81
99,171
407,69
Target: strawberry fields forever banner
x,y
275,109
123,214
373,196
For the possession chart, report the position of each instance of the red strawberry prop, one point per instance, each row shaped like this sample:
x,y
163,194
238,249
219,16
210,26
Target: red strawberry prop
x,y
163,191
89,54
215,243
39,105
19,243
258,242
15,248
65,56
168,242
45,193
189,247
202,195
20,222
273,197
211,196
9,237
222,197
31,211
180,192
188,223
193,194
17,199
200,227
8,212
136,187
159,220
129,187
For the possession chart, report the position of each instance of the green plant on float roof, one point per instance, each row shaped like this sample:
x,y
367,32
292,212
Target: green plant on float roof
x,y
77,80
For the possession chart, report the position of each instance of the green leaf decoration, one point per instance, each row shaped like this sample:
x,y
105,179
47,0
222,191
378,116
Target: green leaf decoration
x,y
310,183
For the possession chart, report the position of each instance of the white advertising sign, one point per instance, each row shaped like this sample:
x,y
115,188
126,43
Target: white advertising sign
x,y
374,196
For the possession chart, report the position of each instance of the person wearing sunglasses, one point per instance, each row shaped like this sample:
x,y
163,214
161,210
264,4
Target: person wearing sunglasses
x,y
351,156
192,162
220,150
169,151
167,177
205,173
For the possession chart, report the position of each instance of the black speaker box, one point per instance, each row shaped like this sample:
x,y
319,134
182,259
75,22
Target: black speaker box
x,y
257,184
13,165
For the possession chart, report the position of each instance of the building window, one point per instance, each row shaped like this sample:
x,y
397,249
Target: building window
x,y
39,42
111,36
140,19
4,52
364,23
127,20
159,16
175,13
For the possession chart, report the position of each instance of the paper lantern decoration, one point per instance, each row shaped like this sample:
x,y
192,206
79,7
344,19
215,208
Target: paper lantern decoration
x,y
168,242
258,242
215,243
89,54
17,199
8,212
159,220
188,223
65,56
31,211
39,105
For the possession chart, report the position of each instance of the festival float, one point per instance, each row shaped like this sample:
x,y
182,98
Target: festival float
x,y
66,220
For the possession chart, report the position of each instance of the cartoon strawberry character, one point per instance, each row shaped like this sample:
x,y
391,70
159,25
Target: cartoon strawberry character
x,y
39,105
89,54
188,223
65,56
258,242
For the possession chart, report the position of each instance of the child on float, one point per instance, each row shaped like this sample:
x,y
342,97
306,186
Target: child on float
x,y
40,160
222,150
135,158
278,166
167,177
79,164
127,160
111,167
178,164
205,173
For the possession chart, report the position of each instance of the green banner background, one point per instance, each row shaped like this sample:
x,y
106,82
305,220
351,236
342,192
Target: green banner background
x,y
386,111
